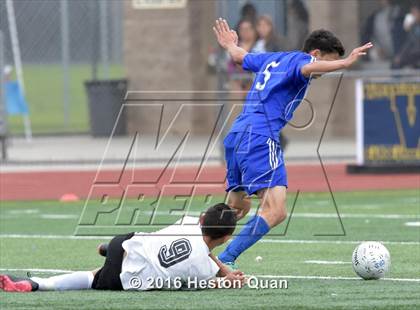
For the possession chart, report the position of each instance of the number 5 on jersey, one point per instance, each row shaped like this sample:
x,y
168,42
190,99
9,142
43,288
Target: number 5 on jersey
x,y
267,75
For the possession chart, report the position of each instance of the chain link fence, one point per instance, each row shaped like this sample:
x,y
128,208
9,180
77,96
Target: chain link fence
x,y
62,44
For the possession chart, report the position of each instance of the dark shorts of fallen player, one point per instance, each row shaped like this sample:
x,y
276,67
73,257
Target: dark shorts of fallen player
x,y
108,277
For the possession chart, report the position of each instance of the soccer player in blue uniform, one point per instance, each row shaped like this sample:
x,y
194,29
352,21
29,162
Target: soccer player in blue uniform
x,y
253,155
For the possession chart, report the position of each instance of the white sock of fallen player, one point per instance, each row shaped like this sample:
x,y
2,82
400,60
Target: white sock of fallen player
x,y
80,280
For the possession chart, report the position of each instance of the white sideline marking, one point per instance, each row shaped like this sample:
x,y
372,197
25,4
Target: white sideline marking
x,y
60,237
70,237
334,278
37,270
335,242
59,216
258,276
326,262
412,224
252,212
23,211
356,216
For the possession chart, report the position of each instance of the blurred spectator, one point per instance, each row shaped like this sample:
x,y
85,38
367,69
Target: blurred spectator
x,y
240,80
248,12
409,54
297,24
410,17
409,21
385,29
268,40
247,35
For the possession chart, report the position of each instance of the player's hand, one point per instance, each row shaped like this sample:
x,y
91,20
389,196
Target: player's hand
x,y
236,278
225,36
357,53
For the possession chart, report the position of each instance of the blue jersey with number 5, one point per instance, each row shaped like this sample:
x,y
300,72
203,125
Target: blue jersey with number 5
x,y
278,89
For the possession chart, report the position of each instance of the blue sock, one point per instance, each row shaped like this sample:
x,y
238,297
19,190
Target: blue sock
x,y
253,231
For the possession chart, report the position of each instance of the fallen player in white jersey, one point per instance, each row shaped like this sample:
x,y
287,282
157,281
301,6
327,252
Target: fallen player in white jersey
x,y
178,256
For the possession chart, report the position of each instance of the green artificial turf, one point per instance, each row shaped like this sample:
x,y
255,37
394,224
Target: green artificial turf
x,y
313,234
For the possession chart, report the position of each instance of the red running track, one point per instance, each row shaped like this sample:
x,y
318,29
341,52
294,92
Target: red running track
x,y
52,185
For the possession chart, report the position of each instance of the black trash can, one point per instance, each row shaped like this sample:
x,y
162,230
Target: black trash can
x,y
105,100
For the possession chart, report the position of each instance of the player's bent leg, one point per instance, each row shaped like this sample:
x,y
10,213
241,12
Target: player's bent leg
x,y
272,212
239,201
264,174
253,231
273,205
258,225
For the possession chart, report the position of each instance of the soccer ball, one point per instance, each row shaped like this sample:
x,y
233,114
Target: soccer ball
x,y
371,260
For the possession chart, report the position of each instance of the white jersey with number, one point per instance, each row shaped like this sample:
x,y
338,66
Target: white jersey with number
x,y
165,258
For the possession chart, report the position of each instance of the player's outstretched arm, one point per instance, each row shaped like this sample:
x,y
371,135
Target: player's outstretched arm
x,y
228,39
330,66
223,270
236,278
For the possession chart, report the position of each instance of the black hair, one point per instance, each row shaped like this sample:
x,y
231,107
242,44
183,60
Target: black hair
x,y
325,41
415,4
218,221
300,10
249,11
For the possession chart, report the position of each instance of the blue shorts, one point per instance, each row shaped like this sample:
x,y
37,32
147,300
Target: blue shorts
x,y
253,162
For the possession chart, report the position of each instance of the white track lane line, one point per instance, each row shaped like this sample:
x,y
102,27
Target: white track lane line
x,y
258,276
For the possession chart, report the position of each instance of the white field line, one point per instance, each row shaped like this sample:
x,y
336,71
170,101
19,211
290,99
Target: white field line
x,y
334,242
412,224
48,216
323,215
71,237
326,262
37,270
258,276
251,213
23,211
356,216
332,278
59,216
59,237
